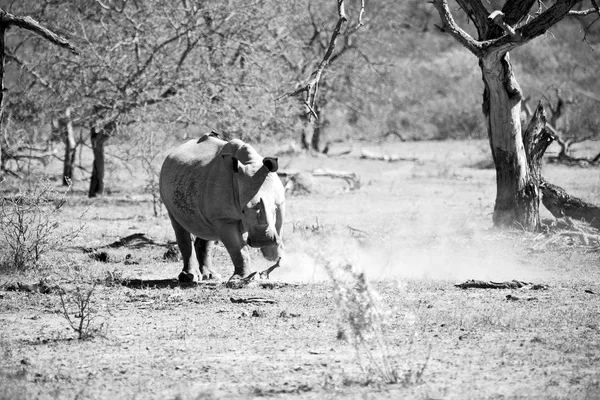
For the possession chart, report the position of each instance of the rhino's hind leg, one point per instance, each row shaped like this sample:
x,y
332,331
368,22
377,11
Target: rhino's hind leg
x,y
184,241
202,248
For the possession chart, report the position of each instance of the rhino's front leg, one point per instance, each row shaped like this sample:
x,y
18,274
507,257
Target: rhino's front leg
x,y
231,236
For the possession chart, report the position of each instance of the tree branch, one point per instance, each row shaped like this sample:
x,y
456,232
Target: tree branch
x,y
450,26
32,25
311,88
31,71
516,10
477,12
531,30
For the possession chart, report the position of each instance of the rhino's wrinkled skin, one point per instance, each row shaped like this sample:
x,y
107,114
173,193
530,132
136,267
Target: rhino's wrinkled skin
x,y
217,190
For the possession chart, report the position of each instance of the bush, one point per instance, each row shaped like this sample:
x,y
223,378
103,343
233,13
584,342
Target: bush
x,y
77,309
29,223
366,322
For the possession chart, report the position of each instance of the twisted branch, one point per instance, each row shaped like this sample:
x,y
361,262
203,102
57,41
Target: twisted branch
x,y
311,88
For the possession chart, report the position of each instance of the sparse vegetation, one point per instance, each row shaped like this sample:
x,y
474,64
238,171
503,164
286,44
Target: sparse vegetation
x,y
29,226
152,74
79,309
365,322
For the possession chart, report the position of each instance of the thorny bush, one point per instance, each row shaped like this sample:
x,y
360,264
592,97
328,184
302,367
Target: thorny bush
x,y
29,226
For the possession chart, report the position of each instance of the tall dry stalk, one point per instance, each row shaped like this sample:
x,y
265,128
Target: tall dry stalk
x,y
360,307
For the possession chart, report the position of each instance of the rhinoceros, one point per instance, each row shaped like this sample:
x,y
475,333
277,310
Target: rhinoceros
x,y
222,191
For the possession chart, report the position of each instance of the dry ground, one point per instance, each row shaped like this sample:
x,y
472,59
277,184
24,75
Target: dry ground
x,y
415,229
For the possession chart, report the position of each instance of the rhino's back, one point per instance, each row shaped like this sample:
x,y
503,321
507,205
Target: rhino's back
x,y
185,175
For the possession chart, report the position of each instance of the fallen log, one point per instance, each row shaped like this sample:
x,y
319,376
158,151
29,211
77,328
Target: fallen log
x,y
42,287
475,284
350,177
302,181
561,204
133,241
370,155
250,300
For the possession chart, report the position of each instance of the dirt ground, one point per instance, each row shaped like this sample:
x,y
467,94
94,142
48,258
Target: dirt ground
x,y
415,228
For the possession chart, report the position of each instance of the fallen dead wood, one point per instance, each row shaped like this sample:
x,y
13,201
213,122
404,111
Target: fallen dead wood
x,y
571,161
350,177
302,182
567,231
267,272
42,287
370,155
561,204
514,284
510,297
134,241
251,300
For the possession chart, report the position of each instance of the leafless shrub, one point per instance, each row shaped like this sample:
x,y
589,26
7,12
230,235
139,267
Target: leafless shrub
x,y
29,226
149,152
367,325
77,308
361,309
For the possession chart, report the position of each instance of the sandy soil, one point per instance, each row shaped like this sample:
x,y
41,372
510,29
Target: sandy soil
x,y
414,228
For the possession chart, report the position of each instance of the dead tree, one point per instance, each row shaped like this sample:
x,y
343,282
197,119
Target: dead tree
x,y
310,90
560,130
6,21
498,33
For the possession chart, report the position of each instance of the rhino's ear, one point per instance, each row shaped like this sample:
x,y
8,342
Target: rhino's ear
x,y
271,163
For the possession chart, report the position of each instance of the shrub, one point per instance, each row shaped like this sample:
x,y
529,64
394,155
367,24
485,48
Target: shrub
x,y
78,310
367,327
29,223
361,309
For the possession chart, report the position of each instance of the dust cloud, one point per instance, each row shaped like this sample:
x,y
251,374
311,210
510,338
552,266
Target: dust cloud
x,y
444,254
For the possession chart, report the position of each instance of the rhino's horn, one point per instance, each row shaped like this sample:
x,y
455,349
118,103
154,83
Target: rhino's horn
x,y
263,212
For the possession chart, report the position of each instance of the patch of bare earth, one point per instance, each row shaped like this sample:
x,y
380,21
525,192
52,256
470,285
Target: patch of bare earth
x,y
416,228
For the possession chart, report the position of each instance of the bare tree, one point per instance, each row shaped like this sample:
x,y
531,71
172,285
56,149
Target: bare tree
x,y
499,32
6,21
186,63
309,90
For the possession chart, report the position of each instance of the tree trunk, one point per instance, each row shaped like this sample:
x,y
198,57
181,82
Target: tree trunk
x,y
70,147
517,161
312,129
2,30
307,132
99,138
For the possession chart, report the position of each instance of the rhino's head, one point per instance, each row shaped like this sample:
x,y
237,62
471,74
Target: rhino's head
x,y
261,201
